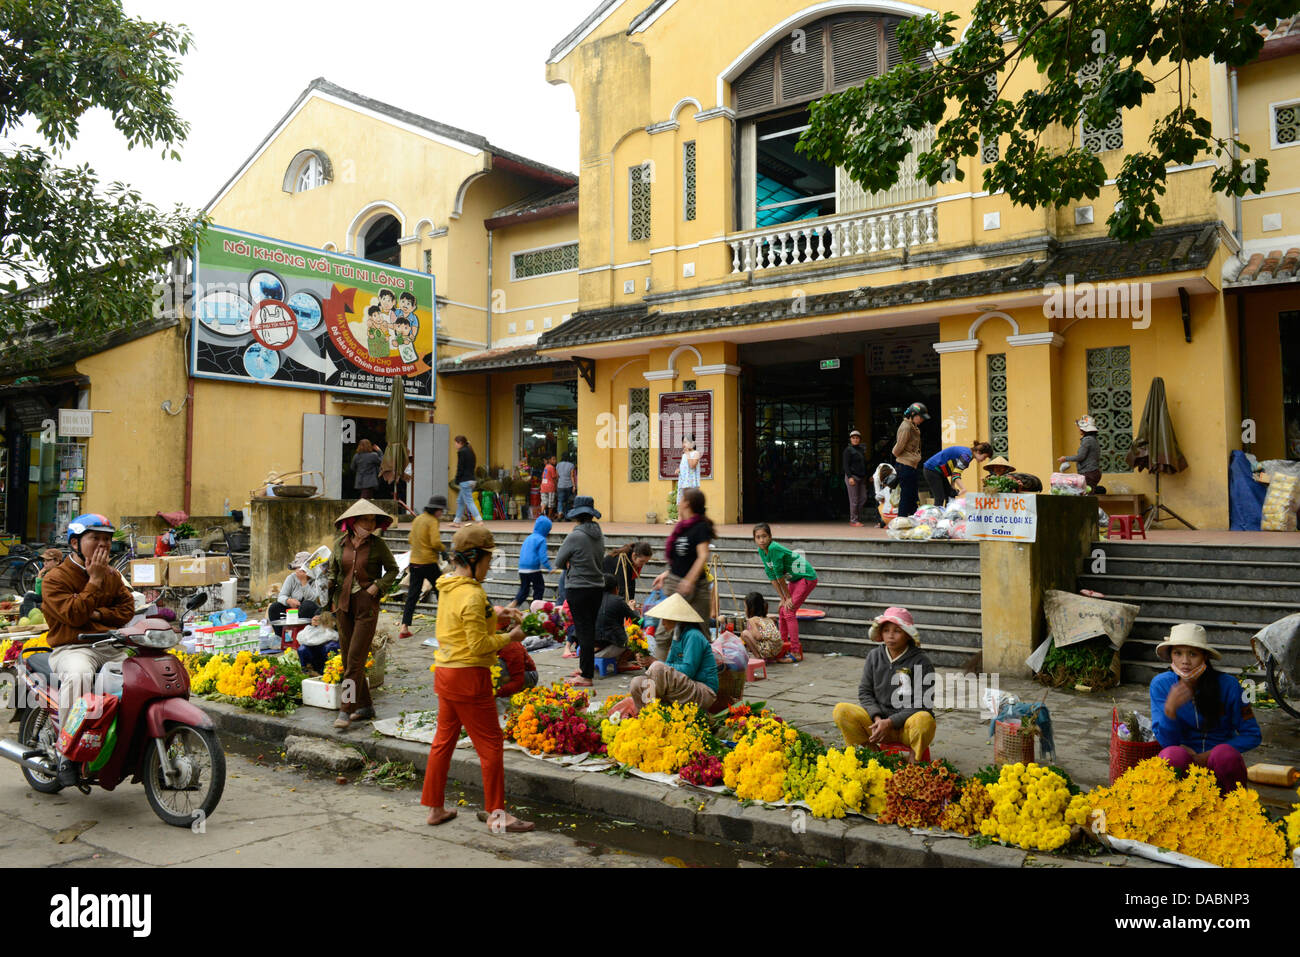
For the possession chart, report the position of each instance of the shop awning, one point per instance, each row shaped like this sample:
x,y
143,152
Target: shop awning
x,y
500,360
31,403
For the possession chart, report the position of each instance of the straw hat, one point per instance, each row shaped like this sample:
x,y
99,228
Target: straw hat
x,y
365,507
1086,424
1189,635
1000,460
902,618
675,608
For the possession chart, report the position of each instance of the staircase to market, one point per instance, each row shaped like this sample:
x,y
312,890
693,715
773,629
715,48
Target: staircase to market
x,y
1233,590
938,581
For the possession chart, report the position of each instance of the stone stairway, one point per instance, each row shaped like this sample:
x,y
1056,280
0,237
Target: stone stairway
x,y
937,581
1233,590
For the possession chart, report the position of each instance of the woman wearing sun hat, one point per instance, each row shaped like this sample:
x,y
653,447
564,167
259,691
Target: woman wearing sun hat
x,y
581,556
690,674
1088,459
361,570
1197,712
893,692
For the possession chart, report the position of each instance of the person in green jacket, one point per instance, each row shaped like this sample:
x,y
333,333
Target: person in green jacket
x,y
794,578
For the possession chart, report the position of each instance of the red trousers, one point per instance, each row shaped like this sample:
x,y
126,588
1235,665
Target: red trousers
x,y
465,699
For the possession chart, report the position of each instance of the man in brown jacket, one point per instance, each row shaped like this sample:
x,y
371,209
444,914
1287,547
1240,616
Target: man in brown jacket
x,y
907,455
83,594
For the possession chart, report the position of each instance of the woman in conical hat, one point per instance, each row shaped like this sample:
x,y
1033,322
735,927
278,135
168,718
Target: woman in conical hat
x,y
1197,712
361,570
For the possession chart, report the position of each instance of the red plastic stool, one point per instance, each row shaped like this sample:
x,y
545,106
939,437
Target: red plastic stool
x,y
1126,526
756,670
904,750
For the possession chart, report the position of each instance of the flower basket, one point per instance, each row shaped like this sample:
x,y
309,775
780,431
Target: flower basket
x,y
1011,745
731,683
1127,754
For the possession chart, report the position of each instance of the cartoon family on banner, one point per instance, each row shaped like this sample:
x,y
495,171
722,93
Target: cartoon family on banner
x,y
282,314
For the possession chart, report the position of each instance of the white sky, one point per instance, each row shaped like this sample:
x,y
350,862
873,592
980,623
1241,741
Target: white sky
x,y
478,66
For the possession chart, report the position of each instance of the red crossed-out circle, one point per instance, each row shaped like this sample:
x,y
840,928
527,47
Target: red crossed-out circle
x,y
277,331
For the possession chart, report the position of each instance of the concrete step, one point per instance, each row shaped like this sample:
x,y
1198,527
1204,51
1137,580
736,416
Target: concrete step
x,y
1220,633
1226,568
1208,611
1163,587
1287,551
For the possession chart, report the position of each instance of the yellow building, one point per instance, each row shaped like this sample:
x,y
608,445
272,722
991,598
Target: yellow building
x,y
766,298
349,175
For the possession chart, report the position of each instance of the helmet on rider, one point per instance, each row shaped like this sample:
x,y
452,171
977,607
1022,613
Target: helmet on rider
x,y
90,522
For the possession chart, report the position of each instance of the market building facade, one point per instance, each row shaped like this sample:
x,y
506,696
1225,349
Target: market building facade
x,y
495,234
735,288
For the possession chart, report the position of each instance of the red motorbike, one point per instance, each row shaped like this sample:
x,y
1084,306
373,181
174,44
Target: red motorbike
x,y
154,736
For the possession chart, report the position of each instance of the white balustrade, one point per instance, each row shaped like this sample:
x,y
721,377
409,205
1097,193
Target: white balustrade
x,y
859,234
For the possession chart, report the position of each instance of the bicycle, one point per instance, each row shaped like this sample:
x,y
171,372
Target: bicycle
x,y
19,568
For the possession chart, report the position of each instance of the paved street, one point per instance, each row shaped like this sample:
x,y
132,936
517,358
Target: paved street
x,y
272,815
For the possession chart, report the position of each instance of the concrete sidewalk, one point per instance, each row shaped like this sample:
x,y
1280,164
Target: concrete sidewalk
x,y
805,695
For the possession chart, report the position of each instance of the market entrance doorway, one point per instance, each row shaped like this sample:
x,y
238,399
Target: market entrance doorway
x,y
800,398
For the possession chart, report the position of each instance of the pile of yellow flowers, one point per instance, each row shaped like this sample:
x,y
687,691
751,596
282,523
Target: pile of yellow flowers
x,y
239,678
1150,803
1292,822
659,738
965,815
333,672
1032,808
845,784
756,768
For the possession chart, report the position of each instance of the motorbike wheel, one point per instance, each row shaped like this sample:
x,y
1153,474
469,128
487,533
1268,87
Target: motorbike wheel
x,y
202,764
1285,690
37,731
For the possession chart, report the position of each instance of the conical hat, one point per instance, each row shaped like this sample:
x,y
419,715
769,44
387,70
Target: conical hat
x,y
675,608
365,507
1000,460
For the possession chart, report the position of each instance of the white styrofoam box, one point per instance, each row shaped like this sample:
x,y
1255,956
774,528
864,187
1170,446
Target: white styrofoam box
x,y
318,694
221,596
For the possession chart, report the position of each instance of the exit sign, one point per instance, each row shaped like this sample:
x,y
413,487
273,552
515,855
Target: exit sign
x,y
828,364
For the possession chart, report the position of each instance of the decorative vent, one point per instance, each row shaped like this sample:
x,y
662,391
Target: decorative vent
x,y
1110,403
850,197
997,370
638,440
638,191
688,181
544,262
1104,138
855,52
1286,124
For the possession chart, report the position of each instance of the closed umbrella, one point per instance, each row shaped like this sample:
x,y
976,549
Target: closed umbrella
x,y
394,462
1156,449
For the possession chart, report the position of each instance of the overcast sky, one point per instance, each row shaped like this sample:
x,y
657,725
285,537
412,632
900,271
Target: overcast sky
x,y
479,66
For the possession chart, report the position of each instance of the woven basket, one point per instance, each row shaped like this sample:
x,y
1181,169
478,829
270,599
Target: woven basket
x,y
294,491
731,683
1010,745
1127,754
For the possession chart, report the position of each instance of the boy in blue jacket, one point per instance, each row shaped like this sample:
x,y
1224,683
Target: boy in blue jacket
x,y
533,560
1197,713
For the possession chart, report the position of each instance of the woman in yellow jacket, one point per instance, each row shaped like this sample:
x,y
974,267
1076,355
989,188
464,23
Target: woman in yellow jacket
x,y
468,643
426,553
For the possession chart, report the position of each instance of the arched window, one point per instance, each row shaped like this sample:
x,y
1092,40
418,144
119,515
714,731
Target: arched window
x,y
380,242
780,185
307,170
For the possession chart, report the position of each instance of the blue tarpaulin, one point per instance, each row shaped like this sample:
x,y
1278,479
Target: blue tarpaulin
x,y
1245,495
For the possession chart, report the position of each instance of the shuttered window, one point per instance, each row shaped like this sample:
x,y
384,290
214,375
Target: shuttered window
x,y
829,55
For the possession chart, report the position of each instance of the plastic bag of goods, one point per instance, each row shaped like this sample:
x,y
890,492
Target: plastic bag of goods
x,y
954,515
929,514
1280,503
899,527
958,530
1068,480
942,528
730,652
920,533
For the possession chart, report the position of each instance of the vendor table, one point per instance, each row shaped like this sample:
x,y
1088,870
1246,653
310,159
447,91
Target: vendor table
x,y
291,628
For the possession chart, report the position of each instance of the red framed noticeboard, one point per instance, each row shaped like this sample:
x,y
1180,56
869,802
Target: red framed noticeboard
x,y
685,415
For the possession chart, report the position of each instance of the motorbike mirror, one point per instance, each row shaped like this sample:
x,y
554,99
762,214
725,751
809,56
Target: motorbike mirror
x,y
195,601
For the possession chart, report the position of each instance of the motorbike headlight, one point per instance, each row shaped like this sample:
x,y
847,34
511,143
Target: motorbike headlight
x,y
159,638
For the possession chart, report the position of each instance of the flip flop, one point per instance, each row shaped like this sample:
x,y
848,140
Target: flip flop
x,y
569,654
451,815
519,827
578,682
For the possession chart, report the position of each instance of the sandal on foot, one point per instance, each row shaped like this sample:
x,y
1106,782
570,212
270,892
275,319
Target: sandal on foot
x,y
578,682
569,654
363,714
343,721
447,816
518,827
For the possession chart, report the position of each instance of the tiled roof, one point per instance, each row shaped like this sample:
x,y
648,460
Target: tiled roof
x,y
1176,249
543,199
1261,270
1287,26
495,360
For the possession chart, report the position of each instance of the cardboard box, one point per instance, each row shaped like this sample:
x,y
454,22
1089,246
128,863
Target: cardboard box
x,y
189,571
148,572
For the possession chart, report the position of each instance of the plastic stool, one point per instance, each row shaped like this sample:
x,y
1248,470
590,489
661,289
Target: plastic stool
x,y
756,670
1127,525
606,666
904,750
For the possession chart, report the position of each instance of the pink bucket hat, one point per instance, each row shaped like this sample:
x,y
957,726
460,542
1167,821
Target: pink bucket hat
x,y
900,617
